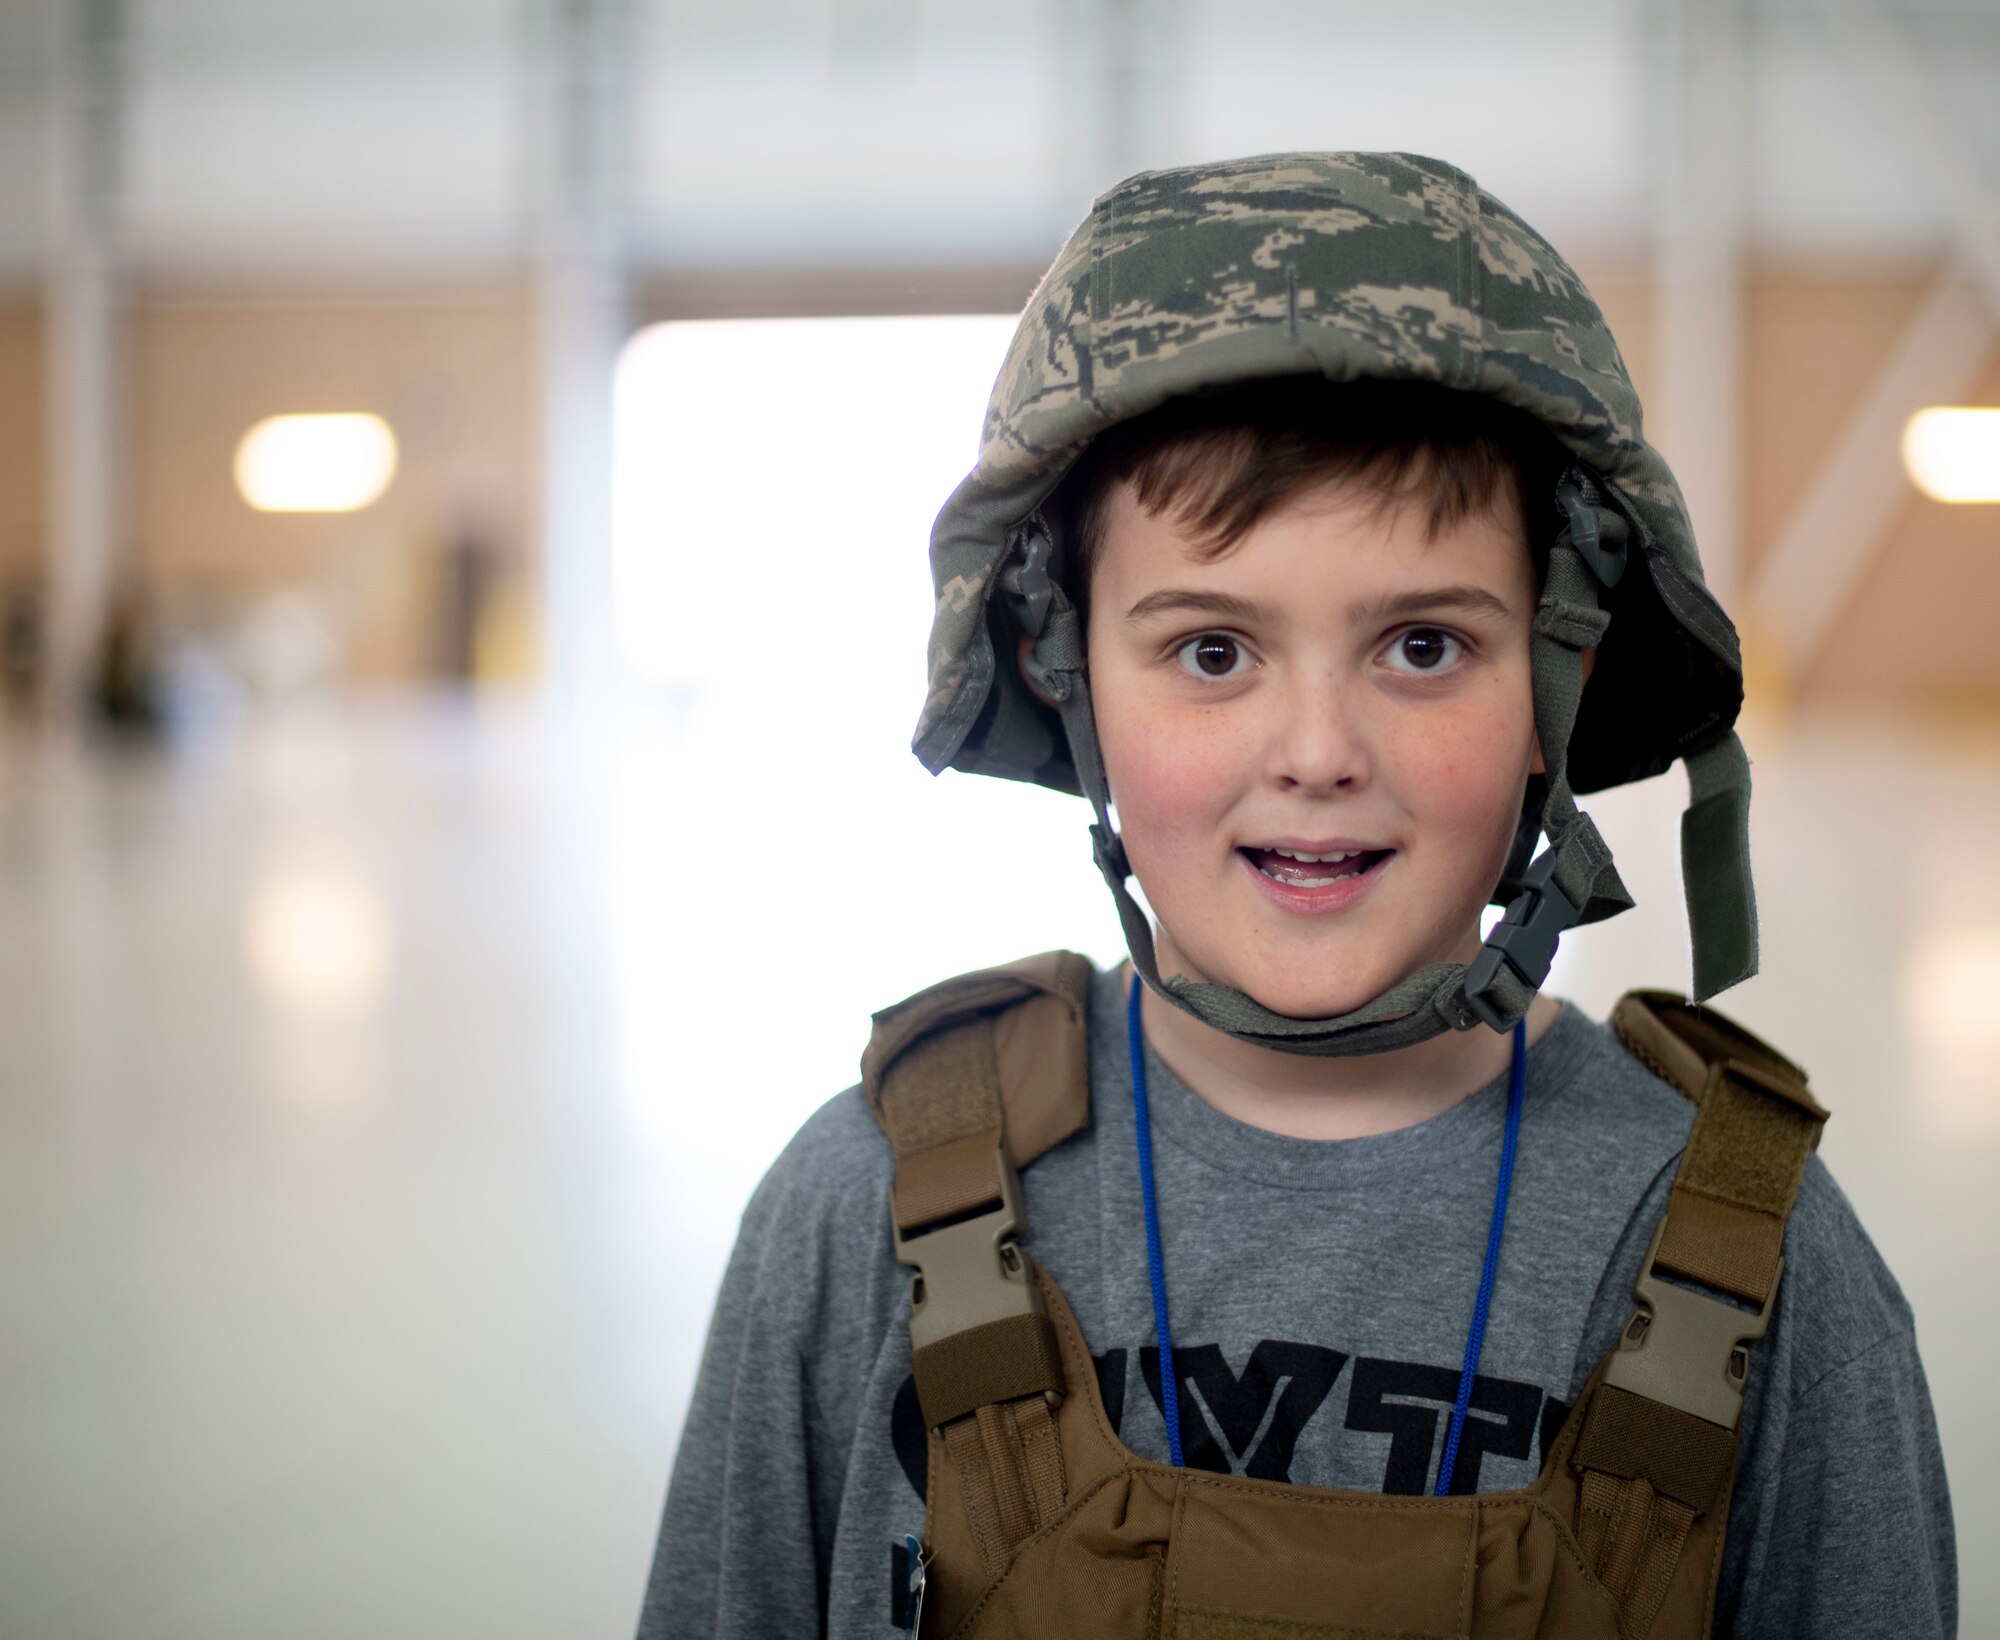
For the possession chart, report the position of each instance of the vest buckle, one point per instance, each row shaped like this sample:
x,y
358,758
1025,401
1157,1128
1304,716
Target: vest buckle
x,y
970,1269
1686,1350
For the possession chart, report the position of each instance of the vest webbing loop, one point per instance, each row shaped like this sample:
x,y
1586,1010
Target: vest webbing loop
x,y
1668,1524
1010,1471
1632,1536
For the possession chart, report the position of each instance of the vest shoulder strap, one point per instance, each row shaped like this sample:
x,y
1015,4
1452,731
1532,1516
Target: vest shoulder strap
x,y
971,1080
1000,1056
1657,1448
1755,1123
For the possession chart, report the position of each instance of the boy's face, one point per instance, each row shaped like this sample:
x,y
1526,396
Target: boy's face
x,y
1337,682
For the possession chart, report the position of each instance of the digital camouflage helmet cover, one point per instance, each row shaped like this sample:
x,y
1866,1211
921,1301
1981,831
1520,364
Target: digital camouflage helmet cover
x,y
1357,267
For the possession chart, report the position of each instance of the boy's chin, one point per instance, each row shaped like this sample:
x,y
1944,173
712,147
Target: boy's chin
x,y
1291,994
1305,980
1293,987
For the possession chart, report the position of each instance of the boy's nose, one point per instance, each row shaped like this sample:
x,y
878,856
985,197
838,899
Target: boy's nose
x,y
1317,746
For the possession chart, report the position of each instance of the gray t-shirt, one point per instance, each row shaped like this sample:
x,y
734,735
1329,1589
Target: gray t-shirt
x,y
1320,1295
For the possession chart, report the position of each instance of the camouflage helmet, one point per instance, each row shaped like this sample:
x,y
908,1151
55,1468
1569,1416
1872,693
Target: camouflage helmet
x,y
1355,267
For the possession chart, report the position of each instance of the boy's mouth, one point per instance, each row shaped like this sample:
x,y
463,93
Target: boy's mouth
x,y
1300,870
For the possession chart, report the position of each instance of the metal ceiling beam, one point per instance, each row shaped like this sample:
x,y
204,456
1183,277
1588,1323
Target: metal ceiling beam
x,y
582,53
81,324
1846,511
1697,392
1119,66
1885,70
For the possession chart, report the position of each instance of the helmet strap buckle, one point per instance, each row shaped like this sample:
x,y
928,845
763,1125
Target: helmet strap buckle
x,y
1597,533
1525,939
1027,578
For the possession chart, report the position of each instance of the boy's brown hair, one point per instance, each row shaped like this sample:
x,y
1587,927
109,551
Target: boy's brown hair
x,y
1216,464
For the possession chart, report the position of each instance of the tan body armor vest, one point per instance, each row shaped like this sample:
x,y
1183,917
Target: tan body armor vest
x,y
1040,1523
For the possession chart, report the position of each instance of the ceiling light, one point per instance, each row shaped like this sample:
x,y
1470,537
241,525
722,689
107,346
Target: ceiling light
x,y
318,463
1952,453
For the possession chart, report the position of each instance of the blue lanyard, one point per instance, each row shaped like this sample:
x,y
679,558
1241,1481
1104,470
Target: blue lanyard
x,y
1170,1391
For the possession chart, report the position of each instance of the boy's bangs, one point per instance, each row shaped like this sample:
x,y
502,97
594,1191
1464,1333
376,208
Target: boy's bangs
x,y
1217,465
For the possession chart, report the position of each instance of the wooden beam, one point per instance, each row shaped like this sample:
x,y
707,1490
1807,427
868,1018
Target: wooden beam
x,y
1812,568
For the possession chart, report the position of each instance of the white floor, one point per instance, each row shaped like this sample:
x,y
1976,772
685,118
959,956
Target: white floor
x,y
377,1089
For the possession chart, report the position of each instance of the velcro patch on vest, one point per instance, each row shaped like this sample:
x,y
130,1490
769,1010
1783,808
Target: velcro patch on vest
x,y
983,1366
1627,1435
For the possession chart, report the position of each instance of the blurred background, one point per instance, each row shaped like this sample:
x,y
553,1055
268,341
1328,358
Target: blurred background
x,y
465,468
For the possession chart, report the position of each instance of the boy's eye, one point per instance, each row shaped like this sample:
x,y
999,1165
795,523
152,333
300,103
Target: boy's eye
x,y
1424,649
1212,655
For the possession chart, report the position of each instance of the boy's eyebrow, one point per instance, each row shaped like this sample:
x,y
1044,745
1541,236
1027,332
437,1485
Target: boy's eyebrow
x,y
1177,600
1468,600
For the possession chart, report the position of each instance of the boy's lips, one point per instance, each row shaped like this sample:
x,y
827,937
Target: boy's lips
x,y
1323,877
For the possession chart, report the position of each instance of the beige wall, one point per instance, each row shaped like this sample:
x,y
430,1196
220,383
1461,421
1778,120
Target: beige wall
x,y
452,373
1918,628
21,458
452,370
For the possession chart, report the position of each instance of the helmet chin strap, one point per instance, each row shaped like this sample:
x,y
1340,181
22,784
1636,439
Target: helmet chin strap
x,y
1572,881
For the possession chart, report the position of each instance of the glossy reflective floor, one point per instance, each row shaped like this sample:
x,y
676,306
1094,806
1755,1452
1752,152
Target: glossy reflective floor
x,y
378,1088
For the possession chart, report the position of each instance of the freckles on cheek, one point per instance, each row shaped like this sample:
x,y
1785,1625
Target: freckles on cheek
x,y
1157,789
1170,787
1469,784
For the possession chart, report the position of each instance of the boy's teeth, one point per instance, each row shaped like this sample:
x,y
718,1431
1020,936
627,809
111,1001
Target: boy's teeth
x,y
1299,870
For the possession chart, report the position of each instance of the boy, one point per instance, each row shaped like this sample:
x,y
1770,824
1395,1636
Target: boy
x,y
1312,492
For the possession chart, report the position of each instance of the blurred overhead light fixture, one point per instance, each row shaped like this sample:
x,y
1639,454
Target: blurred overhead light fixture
x,y
1950,987
1953,453
318,463
318,944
